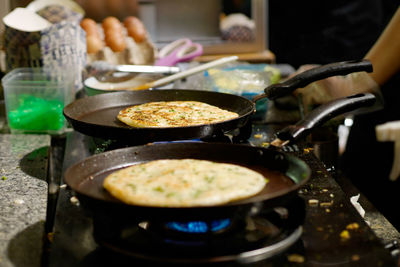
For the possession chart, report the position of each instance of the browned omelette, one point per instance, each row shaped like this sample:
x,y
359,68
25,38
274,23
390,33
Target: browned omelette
x,y
183,183
173,114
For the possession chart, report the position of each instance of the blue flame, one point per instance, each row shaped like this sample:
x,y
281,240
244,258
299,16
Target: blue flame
x,y
199,226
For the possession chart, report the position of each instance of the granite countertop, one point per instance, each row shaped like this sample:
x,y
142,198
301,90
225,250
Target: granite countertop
x,y
23,198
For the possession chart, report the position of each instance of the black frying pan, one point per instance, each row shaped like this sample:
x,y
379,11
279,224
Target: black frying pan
x,y
286,174
96,115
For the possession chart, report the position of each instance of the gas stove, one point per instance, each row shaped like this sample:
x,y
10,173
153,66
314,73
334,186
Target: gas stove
x,y
318,227
236,239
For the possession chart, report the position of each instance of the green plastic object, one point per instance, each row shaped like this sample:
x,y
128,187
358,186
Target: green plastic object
x,y
36,114
35,99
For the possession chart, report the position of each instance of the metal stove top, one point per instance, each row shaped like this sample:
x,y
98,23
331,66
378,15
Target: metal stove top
x,y
333,233
238,239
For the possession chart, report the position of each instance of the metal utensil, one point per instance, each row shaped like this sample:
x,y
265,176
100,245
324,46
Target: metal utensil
x,y
185,73
105,72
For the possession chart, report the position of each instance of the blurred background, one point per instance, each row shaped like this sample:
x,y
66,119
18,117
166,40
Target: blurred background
x,y
295,32
167,20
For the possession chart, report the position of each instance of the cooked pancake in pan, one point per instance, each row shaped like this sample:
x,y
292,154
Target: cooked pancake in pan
x,y
173,114
183,183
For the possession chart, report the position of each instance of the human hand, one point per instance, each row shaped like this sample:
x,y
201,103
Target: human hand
x,y
335,87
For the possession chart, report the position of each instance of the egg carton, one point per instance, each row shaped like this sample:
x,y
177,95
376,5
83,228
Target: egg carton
x,y
135,53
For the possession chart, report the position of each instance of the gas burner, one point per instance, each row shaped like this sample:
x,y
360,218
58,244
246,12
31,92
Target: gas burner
x,y
199,227
237,239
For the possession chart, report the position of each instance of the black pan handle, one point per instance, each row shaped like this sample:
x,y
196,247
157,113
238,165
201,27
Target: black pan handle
x,y
318,73
323,113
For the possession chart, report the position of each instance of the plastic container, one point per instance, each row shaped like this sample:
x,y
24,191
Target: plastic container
x,y
247,80
35,99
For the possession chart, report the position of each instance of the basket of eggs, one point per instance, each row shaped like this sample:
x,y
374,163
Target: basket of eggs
x,y
118,42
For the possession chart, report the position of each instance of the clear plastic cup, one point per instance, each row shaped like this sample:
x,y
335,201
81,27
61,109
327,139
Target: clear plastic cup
x,y
35,98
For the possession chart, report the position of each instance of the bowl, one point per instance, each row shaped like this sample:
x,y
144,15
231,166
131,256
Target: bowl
x,y
93,86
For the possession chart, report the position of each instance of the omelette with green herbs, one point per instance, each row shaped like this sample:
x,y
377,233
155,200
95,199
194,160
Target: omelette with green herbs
x,y
173,114
183,183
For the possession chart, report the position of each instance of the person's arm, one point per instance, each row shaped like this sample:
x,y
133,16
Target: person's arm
x,y
385,58
385,53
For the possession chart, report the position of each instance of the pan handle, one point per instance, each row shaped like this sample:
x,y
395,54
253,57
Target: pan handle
x,y
324,113
304,78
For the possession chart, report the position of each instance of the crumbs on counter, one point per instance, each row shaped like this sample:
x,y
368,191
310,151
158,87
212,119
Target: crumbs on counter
x,y
352,226
295,258
307,150
303,191
345,235
74,200
50,237
355,257
313,202
19,201
326,204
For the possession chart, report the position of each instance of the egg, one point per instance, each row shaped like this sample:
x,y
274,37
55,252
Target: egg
x,y
135,29
90,27
87,22
137,33
132,20
118,45
111,34
111,23
94,44
116,41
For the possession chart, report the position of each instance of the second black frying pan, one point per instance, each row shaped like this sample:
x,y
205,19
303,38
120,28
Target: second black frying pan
x,y
97,115
286,174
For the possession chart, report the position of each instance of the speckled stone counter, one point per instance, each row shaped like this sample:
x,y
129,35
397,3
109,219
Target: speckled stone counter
x,y
23,198
378,223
